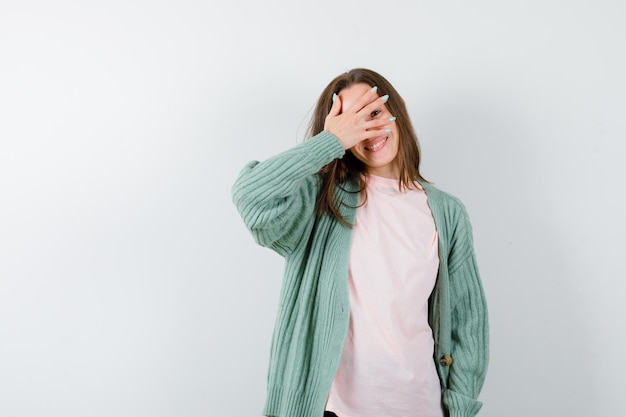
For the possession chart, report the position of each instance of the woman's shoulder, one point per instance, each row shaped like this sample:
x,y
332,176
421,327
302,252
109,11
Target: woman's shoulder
x,y
451,218
442,199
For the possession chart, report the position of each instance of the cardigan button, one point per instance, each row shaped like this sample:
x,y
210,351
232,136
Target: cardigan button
x,y
446,360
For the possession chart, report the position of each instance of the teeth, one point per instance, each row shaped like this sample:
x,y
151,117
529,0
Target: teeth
x,y
376,146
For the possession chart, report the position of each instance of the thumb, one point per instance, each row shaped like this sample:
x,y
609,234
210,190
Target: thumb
x,y
336,107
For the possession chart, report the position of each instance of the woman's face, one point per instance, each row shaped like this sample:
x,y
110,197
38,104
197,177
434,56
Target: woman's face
x,y
379,154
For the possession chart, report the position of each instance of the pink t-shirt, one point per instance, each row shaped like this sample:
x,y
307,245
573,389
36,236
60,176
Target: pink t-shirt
x,y
387,366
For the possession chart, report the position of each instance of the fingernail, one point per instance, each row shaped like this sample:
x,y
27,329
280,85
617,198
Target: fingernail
x,y
374,89
392,119
334,97
385,98
387,130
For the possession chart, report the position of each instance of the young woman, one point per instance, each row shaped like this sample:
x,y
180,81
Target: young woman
x,y
382,312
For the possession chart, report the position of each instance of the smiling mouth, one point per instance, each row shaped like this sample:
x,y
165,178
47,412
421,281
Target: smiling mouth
x,y
377,145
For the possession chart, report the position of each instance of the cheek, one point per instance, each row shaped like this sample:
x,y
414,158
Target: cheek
x,y
358,148
357,153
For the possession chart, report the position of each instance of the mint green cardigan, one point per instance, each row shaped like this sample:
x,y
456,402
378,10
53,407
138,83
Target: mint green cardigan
x,y
277,201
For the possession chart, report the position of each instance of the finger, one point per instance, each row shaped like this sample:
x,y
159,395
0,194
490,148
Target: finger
x,y
378,132
370,96
377,104
379,123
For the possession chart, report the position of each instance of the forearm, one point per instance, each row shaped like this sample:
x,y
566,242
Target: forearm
x,y
278,176
470,342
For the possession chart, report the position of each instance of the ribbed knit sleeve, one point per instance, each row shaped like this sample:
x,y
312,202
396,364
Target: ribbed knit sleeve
x,y
469,325
276,198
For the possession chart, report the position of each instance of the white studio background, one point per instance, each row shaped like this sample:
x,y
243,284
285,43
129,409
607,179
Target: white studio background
x,y
130,287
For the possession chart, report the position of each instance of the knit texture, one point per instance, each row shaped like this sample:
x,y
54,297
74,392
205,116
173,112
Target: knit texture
x,y
276,199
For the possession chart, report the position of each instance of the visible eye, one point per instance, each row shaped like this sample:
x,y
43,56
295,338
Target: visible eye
x,y
374,113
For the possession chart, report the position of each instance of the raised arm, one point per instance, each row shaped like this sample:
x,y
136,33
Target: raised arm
x,y
277,197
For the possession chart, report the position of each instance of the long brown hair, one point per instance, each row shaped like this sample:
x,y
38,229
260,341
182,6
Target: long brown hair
x,y
349,168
